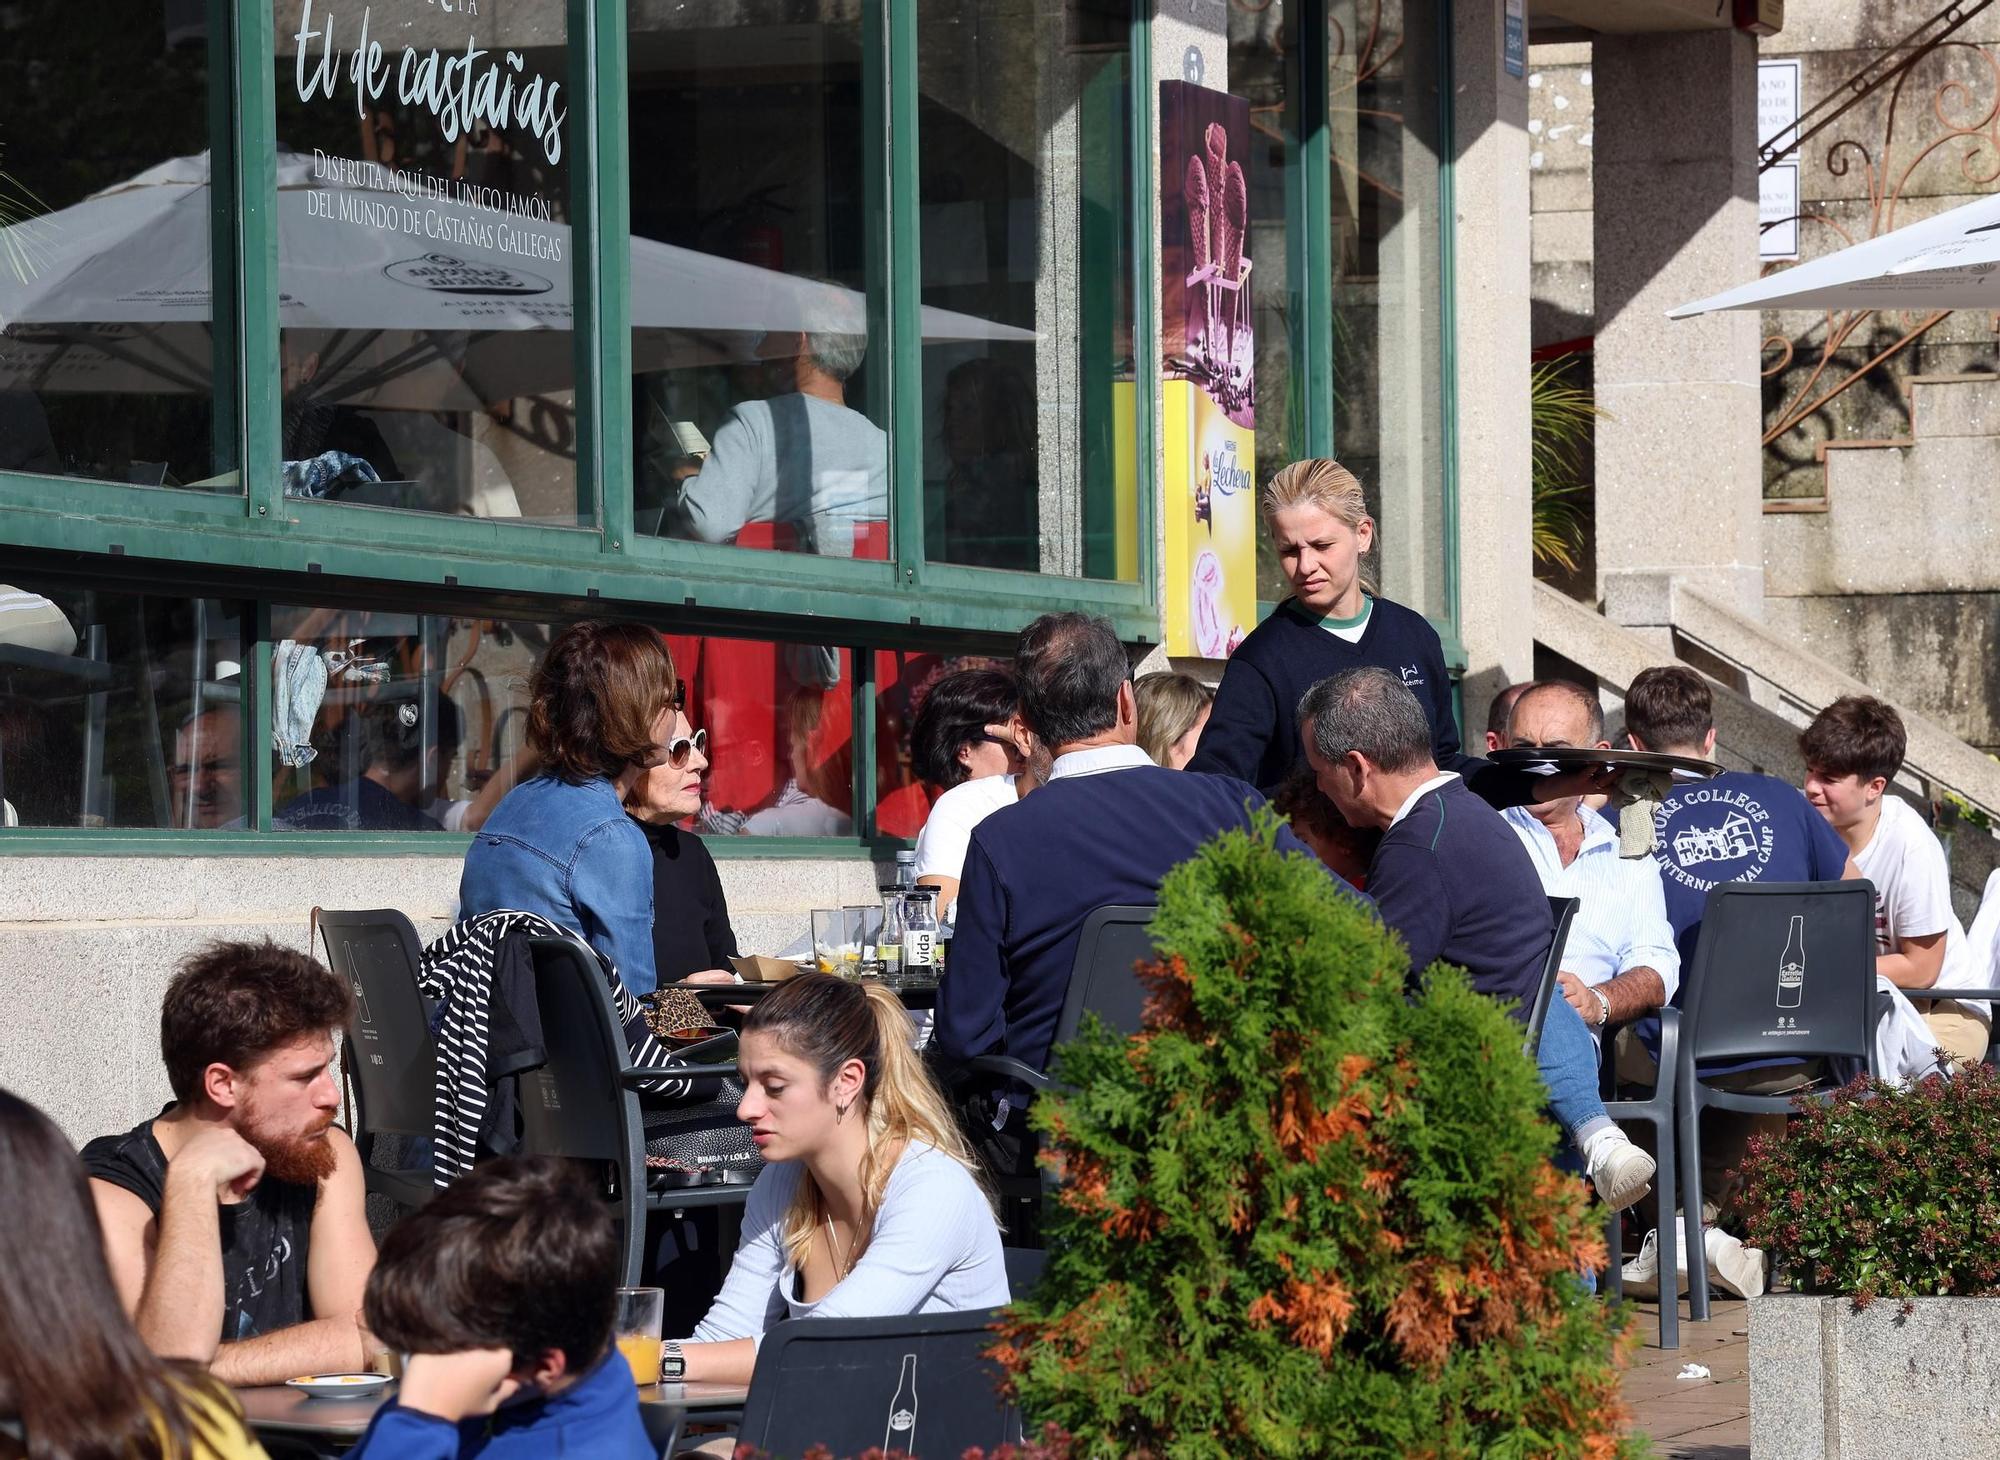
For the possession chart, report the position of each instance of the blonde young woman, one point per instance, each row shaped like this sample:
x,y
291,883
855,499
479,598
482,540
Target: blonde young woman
x,y
1173,709
868,1205
1318,520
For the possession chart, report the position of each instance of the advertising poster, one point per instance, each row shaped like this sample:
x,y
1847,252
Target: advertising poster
x,y
1209,390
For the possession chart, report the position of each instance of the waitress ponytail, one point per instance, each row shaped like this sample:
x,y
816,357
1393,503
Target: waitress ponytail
x,y
827,1021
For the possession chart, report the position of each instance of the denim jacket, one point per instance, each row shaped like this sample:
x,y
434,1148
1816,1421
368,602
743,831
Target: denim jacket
x,y
570,853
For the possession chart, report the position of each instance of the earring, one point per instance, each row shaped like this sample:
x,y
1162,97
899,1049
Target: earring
x,y
839,1114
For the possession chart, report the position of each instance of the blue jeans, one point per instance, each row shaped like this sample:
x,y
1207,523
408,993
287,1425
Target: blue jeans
x,y
1567,1058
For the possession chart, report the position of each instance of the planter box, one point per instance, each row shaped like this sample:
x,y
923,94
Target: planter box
x,y
1828,1383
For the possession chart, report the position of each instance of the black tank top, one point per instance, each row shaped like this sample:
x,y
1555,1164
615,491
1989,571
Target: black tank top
x,y
263,1238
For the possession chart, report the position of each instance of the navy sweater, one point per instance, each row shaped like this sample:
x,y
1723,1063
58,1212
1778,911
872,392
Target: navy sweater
x,y
1037,869
1253,730
1455,881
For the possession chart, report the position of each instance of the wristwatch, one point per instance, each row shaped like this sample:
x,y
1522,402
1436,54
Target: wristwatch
x,y
673,1364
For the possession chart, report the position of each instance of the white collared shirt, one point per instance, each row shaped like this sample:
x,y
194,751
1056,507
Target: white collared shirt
x,y
1098,759
1621,916
1440,779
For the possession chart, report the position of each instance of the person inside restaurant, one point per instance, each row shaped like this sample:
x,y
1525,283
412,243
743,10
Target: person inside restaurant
x,y
803,458
870,1204
601,716
401,779
234,1221
1452,879
502,1291
75,1376
206,777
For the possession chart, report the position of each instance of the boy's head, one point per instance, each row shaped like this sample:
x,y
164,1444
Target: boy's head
x,y
1671,709
518,1255
1851,749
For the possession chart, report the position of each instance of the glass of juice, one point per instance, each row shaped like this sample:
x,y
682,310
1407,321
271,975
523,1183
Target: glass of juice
x,y
638,1329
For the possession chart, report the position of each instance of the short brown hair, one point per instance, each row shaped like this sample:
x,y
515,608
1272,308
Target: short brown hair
x,y
1669,706
233,1003
1300,801
1856,735
595,696
519,1254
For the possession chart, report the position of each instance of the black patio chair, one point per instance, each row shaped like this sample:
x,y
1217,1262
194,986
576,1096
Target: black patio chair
x,y
390,1057
1656,1110
583,1103
921,1384
1739,1002
1562,912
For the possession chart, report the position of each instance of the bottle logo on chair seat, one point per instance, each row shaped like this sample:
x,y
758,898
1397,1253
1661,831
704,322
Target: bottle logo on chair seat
x,y
902,1432
1792,966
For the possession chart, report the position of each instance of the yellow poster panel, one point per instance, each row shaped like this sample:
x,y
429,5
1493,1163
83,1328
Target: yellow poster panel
x,y
1210,510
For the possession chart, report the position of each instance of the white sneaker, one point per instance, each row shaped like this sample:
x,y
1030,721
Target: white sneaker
x,y
1619,1171
1736,1269
1640,1277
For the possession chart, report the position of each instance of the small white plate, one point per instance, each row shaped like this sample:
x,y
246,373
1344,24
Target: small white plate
x,y
340,1386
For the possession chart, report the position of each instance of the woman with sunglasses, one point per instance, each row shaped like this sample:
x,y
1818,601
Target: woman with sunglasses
x,y
601,716
692,938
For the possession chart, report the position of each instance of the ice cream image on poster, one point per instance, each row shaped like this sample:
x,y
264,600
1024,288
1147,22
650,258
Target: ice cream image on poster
x,y
1792,966
902,1432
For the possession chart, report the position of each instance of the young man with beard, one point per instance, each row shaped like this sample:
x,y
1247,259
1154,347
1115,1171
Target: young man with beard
x,y
234,1222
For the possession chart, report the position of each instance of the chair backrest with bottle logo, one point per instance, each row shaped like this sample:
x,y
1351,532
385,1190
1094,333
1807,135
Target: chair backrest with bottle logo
x,y
1782,970
921,1384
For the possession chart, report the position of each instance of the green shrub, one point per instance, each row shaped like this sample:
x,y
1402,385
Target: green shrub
x,y
1303,1215
1884,1190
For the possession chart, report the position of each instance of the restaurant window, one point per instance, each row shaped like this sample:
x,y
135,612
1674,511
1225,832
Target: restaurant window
x,y
426,258
1383,339
759,400
119,710
1385,117
1030,447
392,722
106,351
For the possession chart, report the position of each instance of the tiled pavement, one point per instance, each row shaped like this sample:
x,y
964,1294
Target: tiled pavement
x,y
1694,1419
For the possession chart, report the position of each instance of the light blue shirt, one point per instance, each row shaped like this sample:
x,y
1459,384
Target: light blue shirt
x,y
1621,916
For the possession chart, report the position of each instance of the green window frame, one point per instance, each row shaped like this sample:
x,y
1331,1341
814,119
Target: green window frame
x,y
1308,202
262,532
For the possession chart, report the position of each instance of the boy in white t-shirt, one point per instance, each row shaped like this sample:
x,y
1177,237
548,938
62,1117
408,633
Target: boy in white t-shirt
x,y
1851,750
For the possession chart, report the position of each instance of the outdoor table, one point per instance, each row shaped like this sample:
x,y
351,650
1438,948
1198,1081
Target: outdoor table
x,y
333,1425
921,995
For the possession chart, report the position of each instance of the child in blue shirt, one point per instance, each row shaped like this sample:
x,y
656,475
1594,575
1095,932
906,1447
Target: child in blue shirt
x,y
501,1291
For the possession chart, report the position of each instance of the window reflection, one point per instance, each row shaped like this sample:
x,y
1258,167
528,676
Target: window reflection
x,y
757,399
425,257
106,350
119,710
1031,462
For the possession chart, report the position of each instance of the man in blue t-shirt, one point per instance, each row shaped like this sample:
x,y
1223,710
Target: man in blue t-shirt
x,y
1737,827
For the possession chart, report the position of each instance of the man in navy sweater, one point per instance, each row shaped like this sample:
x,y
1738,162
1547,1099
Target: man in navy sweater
x,y
1107,826
1451,877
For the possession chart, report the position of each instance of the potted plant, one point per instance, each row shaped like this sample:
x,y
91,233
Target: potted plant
x,y
1881,1192
1303,1214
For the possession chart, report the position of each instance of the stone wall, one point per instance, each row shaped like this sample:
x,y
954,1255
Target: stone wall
x,y
88,944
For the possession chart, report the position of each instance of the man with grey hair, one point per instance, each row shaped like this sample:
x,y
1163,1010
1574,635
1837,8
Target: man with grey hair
x,y
802,458
1103,830
1450,876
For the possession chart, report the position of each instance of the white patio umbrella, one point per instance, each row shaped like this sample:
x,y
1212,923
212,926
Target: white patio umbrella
x,y
1951,261
116,294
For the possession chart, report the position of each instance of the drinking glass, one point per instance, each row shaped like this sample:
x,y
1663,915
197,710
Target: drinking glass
x,y
640,1311
837,940
867,924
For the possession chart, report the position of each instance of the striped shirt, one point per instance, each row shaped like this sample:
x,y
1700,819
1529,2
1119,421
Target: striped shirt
x,y
1621,916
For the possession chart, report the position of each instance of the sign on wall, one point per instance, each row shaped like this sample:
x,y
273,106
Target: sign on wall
x,y
1778,84
1209,371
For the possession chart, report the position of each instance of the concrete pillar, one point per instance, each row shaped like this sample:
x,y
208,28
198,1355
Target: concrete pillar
x,y
1491,299
1679,471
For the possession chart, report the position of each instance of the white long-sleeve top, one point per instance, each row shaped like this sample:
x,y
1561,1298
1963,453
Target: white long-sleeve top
x,y
936,1249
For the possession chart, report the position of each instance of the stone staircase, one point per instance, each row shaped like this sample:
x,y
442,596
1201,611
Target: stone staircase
x,y
1895,572
1767,689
